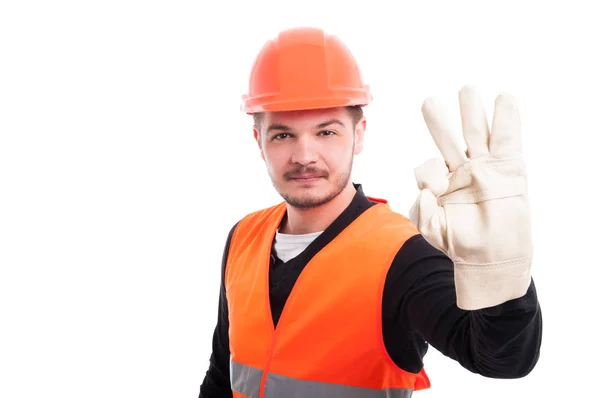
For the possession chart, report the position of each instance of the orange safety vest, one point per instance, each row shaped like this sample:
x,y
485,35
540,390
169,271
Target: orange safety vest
x,y
328,341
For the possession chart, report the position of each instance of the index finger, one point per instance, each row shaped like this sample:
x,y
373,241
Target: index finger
x,y
442,135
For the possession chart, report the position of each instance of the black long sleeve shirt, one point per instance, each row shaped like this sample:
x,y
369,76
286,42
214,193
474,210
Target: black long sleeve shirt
x,y
419,308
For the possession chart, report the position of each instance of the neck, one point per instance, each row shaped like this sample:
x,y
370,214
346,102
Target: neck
x,y
305,221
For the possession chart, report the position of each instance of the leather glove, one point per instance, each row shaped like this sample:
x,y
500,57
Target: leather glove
x,y
473,206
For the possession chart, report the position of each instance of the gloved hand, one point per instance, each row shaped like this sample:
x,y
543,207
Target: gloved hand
x,y
474,206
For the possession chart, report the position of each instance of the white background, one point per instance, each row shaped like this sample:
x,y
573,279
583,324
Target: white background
x,y
124,162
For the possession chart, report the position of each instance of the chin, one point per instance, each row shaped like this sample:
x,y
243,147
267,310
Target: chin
x,y
306,202
309,197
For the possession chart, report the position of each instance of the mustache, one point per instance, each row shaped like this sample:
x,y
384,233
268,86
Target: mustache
x,y
296,173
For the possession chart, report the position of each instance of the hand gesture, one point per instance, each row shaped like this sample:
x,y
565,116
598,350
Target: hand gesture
x,y
473,205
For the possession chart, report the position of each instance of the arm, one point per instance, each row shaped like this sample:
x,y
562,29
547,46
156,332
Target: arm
x,y
216,382
419,307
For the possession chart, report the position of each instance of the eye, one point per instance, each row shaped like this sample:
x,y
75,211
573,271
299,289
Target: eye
x,y
280,136
327,132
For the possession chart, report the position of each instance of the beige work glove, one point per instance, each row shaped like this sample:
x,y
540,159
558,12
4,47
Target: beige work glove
x,y
473,206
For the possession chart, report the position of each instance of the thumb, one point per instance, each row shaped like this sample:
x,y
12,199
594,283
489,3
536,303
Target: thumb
x,y
432,175
430,219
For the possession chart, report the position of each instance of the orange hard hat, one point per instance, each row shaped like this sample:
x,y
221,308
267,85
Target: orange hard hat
x,y
304,68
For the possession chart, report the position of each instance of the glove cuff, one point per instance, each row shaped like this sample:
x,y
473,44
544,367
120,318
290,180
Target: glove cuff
x,y
487,285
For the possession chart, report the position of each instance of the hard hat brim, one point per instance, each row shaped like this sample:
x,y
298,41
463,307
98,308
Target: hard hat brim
x,y
274,104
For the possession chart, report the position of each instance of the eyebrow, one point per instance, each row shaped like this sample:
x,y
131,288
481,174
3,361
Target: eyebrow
x,y
330,122
277,126
283,127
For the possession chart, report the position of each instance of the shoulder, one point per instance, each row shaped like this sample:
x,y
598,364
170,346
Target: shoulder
x,y
253,217
390,222
253,223
263,213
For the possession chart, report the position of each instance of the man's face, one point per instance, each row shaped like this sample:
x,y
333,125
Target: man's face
x,y
309,153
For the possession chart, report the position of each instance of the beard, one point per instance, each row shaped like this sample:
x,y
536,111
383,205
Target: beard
x,y
310,200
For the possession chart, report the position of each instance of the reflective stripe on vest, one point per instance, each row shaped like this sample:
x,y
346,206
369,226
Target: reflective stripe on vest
x,y
246,380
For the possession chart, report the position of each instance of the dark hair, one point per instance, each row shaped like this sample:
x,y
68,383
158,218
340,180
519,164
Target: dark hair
x,y
356,112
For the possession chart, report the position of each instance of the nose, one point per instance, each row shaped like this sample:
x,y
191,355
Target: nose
x,y
305,151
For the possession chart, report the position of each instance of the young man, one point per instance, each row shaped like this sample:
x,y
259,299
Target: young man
x,y
332,294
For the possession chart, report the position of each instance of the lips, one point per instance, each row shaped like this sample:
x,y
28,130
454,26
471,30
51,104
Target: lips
x,y
306,177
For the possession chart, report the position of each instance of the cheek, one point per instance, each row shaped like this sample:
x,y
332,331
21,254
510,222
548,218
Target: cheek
x,y
337,156
275,159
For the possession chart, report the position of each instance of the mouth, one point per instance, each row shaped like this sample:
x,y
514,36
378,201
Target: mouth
x,y
306,178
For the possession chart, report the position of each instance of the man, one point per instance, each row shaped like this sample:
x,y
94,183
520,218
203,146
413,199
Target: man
x,y
332,294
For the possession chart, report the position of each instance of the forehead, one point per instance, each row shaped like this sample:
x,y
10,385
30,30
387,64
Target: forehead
x,y
307,118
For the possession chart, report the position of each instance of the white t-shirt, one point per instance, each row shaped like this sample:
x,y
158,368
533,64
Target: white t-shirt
x,y
289,246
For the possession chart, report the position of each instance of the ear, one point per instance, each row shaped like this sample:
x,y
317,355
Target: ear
x,y
359,134
257,138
